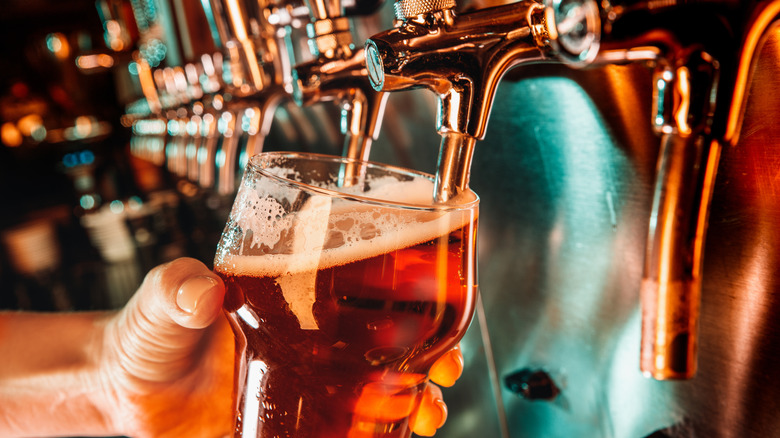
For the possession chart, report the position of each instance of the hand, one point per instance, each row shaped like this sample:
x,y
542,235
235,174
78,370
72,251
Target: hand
x,y
168,360
168,356
380,402
432,412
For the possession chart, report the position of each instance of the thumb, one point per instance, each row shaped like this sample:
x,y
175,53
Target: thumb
x,y
183,292
157,332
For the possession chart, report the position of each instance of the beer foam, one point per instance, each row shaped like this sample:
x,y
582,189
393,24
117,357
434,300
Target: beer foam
x,y
360,231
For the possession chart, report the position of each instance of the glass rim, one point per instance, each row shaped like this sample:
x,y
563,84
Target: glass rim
x,y
254,167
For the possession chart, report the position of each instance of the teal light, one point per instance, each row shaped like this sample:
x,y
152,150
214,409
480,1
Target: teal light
x,y
212,23
117,206
39,133
53,43
173,127
220,159
660,86
87,202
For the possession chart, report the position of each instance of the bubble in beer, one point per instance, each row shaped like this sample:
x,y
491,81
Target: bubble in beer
x,y
382,324
382,355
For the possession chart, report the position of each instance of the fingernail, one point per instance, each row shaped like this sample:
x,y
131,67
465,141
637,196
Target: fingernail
x,y
192,291
439,403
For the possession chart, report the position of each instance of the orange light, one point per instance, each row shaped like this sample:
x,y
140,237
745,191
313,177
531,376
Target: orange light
x,y
29,123
10,135
114,35
89,62
84,126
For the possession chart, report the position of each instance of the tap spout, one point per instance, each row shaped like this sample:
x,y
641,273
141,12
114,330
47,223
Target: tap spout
x,y
454,166
254,42
460,57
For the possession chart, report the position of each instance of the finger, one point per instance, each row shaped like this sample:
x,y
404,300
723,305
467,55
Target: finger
x,y
184,291
448,368
389,399
432,412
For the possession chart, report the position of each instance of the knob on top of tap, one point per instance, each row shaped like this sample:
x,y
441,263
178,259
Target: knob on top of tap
x,y
411,8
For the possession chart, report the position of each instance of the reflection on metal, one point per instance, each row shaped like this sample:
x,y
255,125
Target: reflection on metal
x,y
573,28
453,170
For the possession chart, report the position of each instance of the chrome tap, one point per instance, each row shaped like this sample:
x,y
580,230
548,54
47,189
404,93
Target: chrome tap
x,y
243,39
702,56
338,73
461,58
256,43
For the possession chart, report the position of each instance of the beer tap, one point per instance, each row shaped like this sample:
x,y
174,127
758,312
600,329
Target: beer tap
x,y
258,49
461,58
702,55
338,73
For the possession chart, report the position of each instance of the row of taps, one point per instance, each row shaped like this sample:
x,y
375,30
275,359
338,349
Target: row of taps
x,y
701,54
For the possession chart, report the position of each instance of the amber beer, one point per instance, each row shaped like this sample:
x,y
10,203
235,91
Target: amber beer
x,y
382,321
335,339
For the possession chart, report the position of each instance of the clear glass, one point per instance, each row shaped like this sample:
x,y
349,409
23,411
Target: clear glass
x,y
345,283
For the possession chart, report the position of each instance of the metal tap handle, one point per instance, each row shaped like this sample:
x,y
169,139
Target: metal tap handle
x,y
699,61
405,9
460,57
234,23
228,154
338,74
671,283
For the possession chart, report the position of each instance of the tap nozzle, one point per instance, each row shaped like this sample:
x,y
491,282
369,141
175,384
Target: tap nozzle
x,y
460,57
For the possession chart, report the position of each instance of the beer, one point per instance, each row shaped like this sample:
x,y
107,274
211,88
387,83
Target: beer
x,y
357,369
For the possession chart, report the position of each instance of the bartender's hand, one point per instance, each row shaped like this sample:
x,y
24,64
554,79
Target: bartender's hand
x,y
168,356
170,359
380,403
160,367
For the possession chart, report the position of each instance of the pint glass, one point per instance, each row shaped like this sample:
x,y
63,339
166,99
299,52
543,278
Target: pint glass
x,y
345,283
